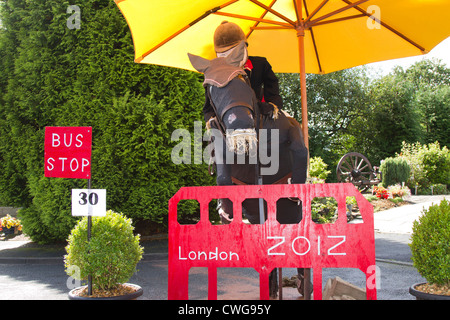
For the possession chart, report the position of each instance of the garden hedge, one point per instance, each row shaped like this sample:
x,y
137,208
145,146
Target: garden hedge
x,y
53,75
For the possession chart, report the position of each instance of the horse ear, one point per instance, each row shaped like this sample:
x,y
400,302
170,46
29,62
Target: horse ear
x,y
237,55
200,64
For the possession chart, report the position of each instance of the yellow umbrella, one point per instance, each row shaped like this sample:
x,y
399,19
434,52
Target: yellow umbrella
x,y
306,36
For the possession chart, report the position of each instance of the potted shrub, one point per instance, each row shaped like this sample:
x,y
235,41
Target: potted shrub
x,y
431,252
110,257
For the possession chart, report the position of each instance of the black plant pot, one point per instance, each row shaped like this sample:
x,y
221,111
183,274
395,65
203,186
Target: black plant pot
x,y
131,296
420,295
8,231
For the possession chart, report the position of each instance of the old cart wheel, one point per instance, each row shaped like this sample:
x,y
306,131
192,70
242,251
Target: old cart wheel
x,y
355,168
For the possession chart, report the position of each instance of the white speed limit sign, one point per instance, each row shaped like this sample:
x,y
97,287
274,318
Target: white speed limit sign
x,y
89,202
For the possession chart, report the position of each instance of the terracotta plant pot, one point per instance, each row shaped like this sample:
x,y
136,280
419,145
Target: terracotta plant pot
x,y
420,295
130,296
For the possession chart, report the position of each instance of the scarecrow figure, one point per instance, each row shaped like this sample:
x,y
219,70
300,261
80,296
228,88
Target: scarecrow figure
x,y
262,79
228,40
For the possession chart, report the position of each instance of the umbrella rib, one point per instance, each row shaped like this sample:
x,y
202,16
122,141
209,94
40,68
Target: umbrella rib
x,y
262,17
232,15
203,16
389,28
296,10
310,16
271,28
276,13
312,32
348,7
356,16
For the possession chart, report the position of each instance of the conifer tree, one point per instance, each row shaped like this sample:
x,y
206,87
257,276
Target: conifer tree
x,y
55,74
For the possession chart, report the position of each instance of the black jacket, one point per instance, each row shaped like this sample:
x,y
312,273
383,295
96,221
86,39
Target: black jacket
x,y
265,84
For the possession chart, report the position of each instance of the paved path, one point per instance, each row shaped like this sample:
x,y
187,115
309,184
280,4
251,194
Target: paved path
x,y
400,220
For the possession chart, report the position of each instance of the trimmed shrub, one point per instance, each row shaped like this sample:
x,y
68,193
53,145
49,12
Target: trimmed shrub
x,y
394,171
110,256
430,244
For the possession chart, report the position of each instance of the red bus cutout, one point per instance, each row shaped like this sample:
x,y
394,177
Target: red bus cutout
x,y
270,245
68,152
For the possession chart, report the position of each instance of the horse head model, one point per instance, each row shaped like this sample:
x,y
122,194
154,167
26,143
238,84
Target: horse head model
x,y
232,97
248,147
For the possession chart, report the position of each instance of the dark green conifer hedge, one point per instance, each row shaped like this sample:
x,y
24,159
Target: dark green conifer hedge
x,y
51,75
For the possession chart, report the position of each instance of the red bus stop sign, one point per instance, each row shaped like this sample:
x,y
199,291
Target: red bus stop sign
x,y
68,152
270,245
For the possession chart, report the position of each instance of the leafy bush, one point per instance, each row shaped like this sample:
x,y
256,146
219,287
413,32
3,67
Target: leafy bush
x,y
433,189
430,244
429,164
48,218
324,209
394,170
439,189
110,256
436,163
318,168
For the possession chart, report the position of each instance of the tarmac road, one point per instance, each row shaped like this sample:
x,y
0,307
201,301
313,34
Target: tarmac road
x,y
32,272
44,278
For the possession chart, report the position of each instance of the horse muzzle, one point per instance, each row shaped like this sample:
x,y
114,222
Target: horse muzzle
x,y
242,141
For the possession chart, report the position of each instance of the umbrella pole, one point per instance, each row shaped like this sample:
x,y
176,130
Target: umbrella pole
x,y
301,48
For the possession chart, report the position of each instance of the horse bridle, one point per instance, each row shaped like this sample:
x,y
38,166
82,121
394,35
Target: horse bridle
x,y
218,119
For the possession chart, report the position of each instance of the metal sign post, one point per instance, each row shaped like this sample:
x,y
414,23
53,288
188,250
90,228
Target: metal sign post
x,y
68,155
89,239
91,203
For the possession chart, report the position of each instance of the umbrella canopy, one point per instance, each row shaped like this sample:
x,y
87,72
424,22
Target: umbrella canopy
x,y
299,36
